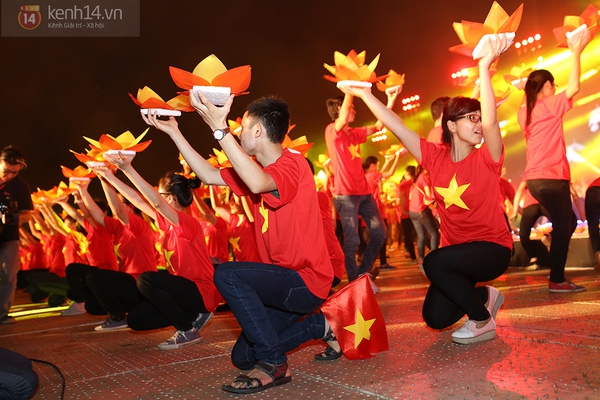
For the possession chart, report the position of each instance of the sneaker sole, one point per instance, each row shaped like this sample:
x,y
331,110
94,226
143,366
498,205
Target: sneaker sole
x,y
118,328
176,346
567,291
481,338
497,305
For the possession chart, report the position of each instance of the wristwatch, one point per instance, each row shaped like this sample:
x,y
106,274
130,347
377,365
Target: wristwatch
x,y
220,133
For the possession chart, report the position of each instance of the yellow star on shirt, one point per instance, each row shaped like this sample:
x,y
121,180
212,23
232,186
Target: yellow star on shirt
x,y
361,328
452,193
354,150
116,250
168,254
235,243
265,214
206,239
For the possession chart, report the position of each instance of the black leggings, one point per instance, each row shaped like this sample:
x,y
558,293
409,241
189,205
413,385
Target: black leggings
x,y
528,218
116,291
592,212
79,290
555,196
170,301
454,271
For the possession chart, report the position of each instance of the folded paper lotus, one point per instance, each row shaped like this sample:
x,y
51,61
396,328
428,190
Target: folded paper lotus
x,y
518,77
57,193
235,126
125,141
502,95
219,159
91,155
590,18
472,33
150,101
301,145
322,160
79,173
393,79
352,67
392,150
214,80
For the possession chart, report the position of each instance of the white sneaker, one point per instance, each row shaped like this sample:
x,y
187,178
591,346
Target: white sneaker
x,y
74,309
469,333
495,301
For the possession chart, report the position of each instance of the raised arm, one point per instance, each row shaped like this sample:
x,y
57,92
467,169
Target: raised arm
x,y
489,115
344,113
203,169
392,94
217,205
127,191
54,220
573,84
155,199
72,212
93,208
203,209
387,173
117,207
409,139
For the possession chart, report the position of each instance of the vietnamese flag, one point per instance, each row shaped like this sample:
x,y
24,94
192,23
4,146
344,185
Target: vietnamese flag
x,y
356,320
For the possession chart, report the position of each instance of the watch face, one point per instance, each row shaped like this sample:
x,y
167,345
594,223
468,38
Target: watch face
x,y
219,134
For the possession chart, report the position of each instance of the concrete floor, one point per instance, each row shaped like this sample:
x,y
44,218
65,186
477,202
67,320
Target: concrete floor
x,y
547,346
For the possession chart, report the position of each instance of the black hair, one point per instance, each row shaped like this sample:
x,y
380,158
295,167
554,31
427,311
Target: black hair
x,y
180,187
12,156
412,170
103,205
333,106
274,114
437,107
535,83
369,161
454,108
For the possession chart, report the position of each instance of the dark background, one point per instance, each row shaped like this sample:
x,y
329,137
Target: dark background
x,y
56,90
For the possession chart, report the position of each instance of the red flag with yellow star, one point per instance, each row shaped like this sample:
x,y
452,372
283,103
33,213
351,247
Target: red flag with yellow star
x,y
356,320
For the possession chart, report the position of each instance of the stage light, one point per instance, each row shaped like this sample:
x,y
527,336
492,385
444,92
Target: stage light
x,y
537,36
517,45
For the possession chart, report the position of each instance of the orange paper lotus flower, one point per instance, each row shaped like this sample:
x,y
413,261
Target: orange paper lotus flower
x,y
148,98
125,141
93,155
235,126
219,159
212,72
392,150
322,160
497,21
393,79
518,77
78,172
300,144
502,95
589,17
352,67
53,195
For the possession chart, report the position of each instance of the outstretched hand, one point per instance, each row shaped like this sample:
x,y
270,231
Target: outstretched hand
x,y
169,126
215,117
120,160
495,49
356,91
577,48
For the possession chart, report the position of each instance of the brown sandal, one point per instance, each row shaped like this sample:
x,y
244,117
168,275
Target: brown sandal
x,y
278,373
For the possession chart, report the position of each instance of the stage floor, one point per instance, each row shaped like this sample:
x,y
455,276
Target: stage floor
x,y
547,346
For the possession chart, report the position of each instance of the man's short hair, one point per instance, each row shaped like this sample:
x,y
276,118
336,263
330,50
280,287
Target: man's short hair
x,y
12,156
274,114
437,107
333,107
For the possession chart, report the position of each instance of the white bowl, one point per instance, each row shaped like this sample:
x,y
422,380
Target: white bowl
x,y
217,95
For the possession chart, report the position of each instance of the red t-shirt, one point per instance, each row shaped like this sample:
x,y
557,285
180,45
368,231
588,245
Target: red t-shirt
x,y
546,148
404,188
288,225
215,237
100,250
242,238
417,193
467,193
134,244
74,248
186,255
373,180
595,183
55,260
32,256
336,254
344,150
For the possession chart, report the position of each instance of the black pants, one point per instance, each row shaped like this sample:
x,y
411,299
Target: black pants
x,y
116,291
170,301
408,230
555,196
79,290
528,218
592,212
454,271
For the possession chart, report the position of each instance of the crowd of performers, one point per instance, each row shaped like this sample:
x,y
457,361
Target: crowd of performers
x,y
152,257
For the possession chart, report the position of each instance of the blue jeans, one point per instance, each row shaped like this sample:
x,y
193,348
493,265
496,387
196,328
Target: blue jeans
x,y
425,221
267,300
349,208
